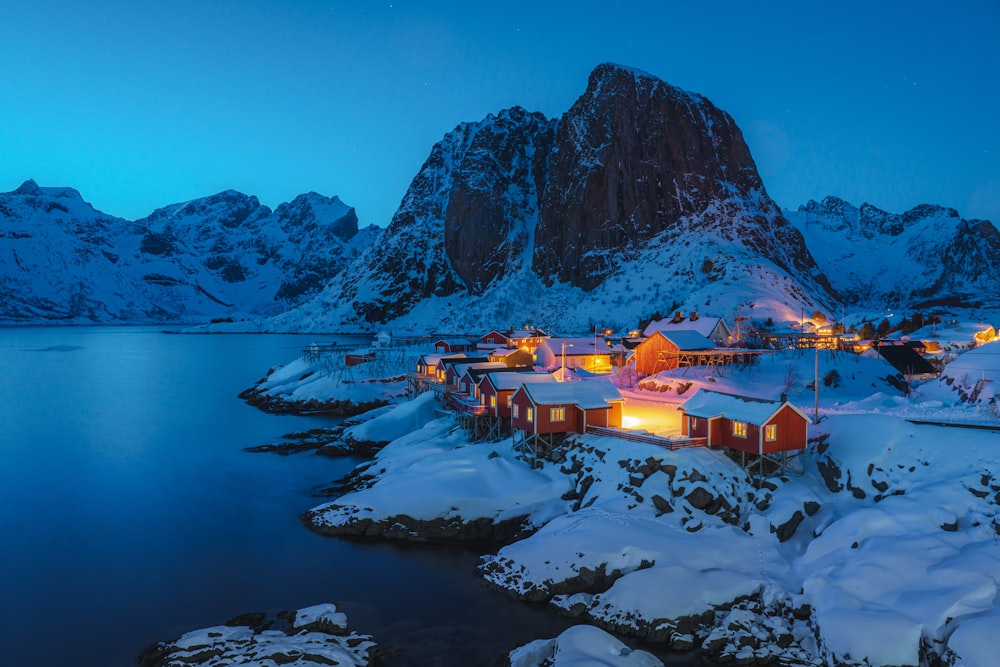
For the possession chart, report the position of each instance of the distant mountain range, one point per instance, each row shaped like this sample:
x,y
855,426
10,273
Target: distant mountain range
x,y
62,261
639,200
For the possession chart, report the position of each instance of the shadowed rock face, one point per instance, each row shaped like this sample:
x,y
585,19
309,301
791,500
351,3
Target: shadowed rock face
x,y
494,196
632,157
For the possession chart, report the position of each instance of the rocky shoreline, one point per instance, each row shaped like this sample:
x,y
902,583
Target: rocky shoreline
x,y
317,635
334,407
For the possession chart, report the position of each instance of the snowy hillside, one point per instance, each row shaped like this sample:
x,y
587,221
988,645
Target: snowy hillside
x,y
226,255
925,257
641,198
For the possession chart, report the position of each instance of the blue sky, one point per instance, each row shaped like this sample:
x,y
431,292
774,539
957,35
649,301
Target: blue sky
x,y
139,104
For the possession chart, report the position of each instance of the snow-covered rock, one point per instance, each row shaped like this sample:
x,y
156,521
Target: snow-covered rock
x,y
316,635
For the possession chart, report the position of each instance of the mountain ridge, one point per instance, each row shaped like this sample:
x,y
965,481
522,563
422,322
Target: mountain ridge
x,y
221,256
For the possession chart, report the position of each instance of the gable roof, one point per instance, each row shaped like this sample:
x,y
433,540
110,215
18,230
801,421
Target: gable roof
x,y
687,339
462,369
905,359
703,325
437,357
588,394
708,404
576,346
506,351
509,381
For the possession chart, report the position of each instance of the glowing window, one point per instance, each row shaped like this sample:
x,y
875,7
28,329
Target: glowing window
x,y
510,399
514,410
493,401
531,415
557,414
740,429
771,432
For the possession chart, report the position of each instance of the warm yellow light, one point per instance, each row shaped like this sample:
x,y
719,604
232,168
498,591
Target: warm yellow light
x,y
630,422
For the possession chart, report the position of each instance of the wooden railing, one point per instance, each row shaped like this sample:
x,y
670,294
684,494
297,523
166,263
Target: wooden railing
x,y
648,438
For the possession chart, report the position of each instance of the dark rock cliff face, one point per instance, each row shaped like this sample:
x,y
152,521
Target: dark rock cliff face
x,y
494,194
465,220
633,156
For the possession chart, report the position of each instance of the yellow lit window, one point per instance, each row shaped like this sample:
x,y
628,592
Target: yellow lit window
x,y
771,432
557,414
531,415
740,429
493,401
510,399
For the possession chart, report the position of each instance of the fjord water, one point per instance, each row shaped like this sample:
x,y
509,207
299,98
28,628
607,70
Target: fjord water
x,y
129,512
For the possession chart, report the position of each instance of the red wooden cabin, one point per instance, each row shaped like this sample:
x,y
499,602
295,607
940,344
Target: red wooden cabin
x,y
662,350
565,407
751,425
496,389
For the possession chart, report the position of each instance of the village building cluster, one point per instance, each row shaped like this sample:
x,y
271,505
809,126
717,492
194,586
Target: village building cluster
x,y
540,389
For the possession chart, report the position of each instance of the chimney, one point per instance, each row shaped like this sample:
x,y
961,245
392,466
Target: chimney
x,y
694,315
678,317
784,398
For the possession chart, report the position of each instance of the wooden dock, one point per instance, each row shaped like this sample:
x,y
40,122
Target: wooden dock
x,y
648,438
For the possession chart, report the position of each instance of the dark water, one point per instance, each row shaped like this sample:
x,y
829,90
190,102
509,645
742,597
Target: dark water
x,y
130,514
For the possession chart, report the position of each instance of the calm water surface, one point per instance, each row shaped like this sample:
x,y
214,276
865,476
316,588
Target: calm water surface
x,y
129,513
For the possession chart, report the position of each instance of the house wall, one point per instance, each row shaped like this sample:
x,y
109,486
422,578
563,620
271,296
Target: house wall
x,y
726,438
700,429
792,432
494,338
647,352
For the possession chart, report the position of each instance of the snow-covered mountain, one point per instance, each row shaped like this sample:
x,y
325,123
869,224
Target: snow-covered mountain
x,y
641,198
928,256
61,260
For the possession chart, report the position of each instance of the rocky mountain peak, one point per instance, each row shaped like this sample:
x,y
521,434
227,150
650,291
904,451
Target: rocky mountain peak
x,y
633,157
29,187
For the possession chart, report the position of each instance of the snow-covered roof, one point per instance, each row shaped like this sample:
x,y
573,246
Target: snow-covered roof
x,y
435,359
710,404
461,369
703,325
575,346
504,351
687,339
589,394
452,341
525,333
510,381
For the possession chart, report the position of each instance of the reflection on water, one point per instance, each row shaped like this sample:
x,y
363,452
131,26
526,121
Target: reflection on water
x,y
129,512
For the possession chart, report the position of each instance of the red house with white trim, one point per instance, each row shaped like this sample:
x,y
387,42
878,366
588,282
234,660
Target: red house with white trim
x,y
496,389
752,425
566,407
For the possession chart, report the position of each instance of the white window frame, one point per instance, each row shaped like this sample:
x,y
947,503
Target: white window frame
x,y
739,429
560,411
770,432
514,411
531,415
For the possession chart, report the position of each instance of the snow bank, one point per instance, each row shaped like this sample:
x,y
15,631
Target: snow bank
x,y
396,422
581,645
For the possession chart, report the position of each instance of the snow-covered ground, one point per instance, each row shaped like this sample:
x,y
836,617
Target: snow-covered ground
x,y
884,551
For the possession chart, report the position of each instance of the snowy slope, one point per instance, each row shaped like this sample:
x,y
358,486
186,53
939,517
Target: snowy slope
x,y
927,256
61,260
